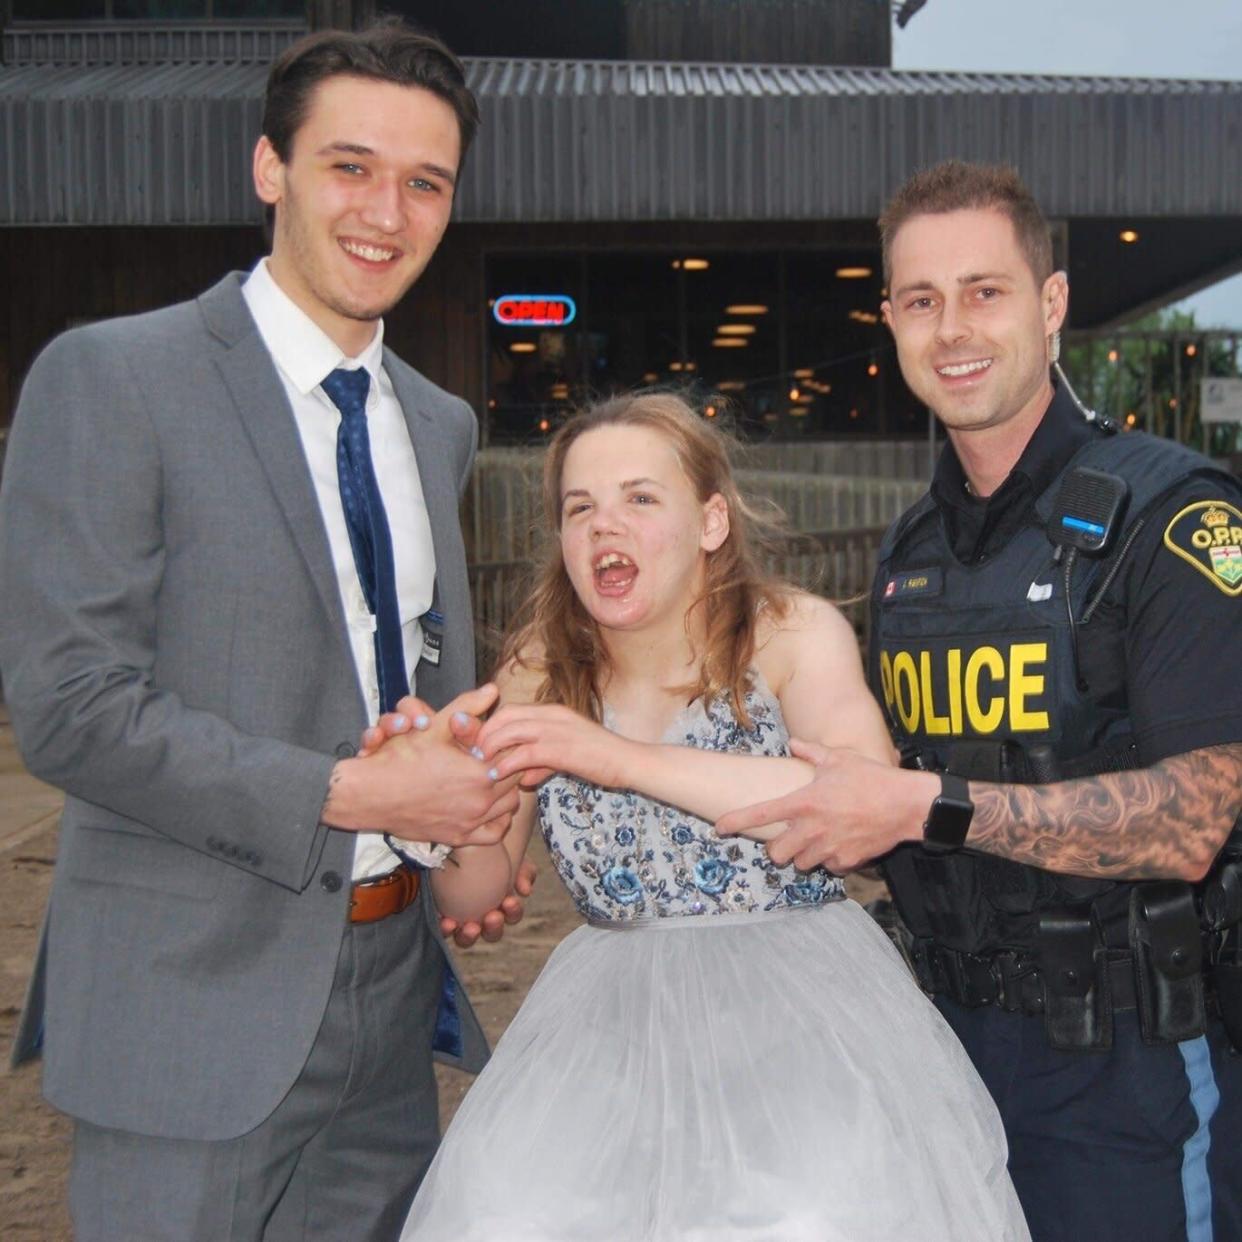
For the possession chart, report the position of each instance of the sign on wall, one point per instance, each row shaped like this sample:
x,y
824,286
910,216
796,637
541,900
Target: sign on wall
x,y
1220,400
534,310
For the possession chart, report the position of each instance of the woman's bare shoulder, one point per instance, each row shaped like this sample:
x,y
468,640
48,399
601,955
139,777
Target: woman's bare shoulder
x,y
808,627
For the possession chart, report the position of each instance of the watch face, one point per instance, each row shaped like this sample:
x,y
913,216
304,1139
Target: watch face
x,y
949,821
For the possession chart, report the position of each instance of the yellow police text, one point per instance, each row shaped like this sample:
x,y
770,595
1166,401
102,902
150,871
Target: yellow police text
x,y
987,689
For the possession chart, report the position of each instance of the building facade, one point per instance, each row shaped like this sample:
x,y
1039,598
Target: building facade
x,y
662,191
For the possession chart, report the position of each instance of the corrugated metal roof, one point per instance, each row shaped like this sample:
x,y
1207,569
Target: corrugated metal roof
x,y
561,141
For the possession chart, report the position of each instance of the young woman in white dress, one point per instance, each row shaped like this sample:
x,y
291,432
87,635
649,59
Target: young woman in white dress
x,y
726,1049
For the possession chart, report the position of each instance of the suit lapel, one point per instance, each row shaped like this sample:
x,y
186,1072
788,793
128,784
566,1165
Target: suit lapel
x,y
257,392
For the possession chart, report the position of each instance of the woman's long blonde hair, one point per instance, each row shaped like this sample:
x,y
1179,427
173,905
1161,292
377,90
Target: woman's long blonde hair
x,y
555,635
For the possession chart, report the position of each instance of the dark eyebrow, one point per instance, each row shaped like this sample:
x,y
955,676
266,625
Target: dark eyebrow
x,y
358,148
346,148
917,286
444,173
926,286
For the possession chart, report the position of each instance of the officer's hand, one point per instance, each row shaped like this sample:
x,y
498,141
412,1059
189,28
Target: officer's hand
x,y
854,810
492,926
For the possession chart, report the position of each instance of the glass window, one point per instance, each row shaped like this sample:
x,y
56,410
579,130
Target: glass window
x,y
58,10
259,8
841,355
158,10
538,355
791,340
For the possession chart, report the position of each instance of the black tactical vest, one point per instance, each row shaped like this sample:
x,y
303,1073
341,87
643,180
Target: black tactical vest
x,y
977,673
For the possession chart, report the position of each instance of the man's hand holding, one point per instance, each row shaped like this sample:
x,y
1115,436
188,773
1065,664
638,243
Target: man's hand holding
x,y
423,785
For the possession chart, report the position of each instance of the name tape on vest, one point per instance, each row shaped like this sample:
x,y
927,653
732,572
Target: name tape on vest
x,y
912,582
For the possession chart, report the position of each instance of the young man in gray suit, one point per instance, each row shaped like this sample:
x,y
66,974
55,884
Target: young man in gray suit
x,y
228,539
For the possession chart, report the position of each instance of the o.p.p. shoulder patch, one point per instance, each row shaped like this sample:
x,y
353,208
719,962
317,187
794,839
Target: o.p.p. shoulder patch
x,y
1208,534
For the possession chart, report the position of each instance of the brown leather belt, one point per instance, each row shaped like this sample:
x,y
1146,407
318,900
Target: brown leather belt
x,y
372,900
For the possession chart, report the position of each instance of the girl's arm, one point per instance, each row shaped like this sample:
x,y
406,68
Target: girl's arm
x,y
475,879
810,658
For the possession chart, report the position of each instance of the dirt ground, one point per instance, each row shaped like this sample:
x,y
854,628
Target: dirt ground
x,y
34,1140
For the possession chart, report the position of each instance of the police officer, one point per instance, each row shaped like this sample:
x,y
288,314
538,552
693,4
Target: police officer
x,y
1055,633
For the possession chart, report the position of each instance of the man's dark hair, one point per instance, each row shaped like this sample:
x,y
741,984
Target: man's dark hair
x,y
956,185
389,51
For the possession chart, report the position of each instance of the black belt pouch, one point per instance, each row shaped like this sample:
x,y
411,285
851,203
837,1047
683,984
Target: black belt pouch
x,y
1168,961
1078,1009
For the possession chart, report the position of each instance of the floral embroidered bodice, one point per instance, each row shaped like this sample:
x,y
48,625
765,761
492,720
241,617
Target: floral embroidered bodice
x,y
624,856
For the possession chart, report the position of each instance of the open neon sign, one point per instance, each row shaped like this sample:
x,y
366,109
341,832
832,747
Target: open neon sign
x,y
534,310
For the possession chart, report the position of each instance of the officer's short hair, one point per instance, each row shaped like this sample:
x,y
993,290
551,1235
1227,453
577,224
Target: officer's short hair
x,y
956,185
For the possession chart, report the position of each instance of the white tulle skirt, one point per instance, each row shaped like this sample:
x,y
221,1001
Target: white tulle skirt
x,y
731,1078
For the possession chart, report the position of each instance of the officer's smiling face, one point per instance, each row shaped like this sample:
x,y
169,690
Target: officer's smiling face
x,y
972,321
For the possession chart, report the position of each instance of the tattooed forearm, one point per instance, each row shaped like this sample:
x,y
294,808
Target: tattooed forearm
x,y
1163,822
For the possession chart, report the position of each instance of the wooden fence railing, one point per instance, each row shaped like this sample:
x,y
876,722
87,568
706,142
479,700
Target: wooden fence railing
x,y
836,564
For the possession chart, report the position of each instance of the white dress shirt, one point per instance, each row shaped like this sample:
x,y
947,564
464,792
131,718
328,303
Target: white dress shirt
x,y
304,356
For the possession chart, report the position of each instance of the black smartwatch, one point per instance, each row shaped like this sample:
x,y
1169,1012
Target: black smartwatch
x,y
948,819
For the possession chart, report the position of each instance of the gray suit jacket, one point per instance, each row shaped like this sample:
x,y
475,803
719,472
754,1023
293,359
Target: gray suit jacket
x,y
175,658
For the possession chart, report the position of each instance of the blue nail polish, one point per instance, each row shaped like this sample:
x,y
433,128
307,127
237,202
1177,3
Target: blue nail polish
x,y
460,717
399,720
421,722
477,751
493,774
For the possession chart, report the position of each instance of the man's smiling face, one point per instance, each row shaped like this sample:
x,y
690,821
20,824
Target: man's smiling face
x,y
970,319
363,201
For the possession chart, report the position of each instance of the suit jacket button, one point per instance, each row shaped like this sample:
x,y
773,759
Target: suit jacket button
x,y
330,882
346,750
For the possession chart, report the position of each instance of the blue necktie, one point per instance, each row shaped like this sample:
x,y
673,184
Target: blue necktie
x,y
371,542
369,536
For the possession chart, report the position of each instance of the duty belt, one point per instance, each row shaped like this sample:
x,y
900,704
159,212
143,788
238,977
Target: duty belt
x,y
1012,981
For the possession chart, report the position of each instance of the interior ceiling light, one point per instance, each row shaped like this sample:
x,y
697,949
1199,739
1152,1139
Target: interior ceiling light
x,y
522,347
746,308
862,316
650,377
730,342
853,273
674,366
731,385
1129,236
695,265
804,373
735,329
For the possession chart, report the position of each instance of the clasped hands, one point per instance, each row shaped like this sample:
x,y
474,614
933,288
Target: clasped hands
x,y
853,809
457,727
